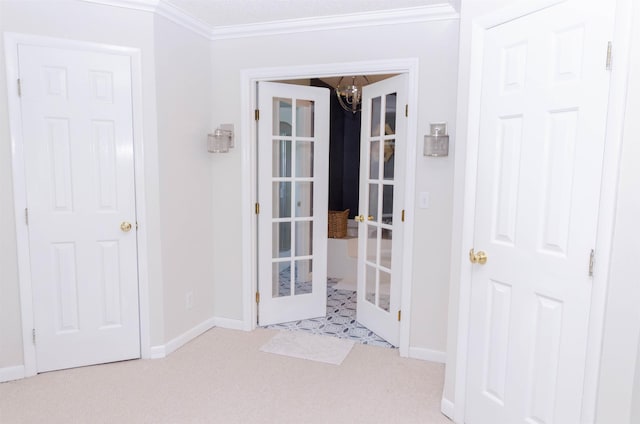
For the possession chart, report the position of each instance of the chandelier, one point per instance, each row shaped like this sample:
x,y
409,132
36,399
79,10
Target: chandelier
x,y
350,95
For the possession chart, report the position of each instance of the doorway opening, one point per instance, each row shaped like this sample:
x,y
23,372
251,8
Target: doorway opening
x,y
344,169
250,79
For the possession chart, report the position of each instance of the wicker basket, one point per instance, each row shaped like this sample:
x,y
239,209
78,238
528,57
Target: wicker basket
x,y
338,223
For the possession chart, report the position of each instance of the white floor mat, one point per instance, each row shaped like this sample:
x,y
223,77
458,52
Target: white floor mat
x,y
330,350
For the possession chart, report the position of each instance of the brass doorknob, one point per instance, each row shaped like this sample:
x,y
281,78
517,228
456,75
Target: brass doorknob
x,y
477,258
359,218
370,218
125,226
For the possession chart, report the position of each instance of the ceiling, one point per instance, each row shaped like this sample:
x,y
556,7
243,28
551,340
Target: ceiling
x,y
217,13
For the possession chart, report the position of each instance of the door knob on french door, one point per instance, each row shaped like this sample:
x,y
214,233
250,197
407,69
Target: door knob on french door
x,y
125,226
360,218
477,257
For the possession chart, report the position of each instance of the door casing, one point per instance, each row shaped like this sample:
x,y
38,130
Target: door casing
x,y
12,41
248,80
465,199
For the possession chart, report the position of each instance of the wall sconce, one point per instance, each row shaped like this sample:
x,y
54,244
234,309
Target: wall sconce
x,y
436,144
221,139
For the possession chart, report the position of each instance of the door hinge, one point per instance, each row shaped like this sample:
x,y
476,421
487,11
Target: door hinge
x,y
19,88
257,297
402,217
26,216
399,315
257,114
609,47
406,110
592,260
33,335
257,208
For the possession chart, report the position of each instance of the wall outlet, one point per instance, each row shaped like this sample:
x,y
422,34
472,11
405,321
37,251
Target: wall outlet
x,y
423,200
188,300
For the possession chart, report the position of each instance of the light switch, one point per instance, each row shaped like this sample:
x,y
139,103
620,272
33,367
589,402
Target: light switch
x,y
423,200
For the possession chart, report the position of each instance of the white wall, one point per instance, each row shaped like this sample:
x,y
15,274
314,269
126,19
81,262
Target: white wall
x,y
435,44
183,94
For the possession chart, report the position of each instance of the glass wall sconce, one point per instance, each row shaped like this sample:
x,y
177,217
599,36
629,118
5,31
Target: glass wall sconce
x,y
436,144
221,140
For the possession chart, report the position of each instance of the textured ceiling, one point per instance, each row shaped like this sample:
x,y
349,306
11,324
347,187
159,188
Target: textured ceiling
x,y
239,12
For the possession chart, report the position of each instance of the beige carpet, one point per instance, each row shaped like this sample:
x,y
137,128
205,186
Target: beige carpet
x,y
222,377
313,347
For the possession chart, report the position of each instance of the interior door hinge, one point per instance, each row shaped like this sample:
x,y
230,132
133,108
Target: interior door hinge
x,y
33,335
609,47
402,218
257,297
26,216
399,315
19,88
592,260
257,114
406,110
257,208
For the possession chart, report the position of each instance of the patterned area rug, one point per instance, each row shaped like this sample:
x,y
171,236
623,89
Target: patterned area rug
x,y
340,320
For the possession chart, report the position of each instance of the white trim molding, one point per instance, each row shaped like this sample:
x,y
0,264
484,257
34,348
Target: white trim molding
x,y
161,351
248,102
427,354
434,12
184,338
228,323
447,408
12,373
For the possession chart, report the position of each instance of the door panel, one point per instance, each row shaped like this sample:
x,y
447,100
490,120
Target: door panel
x,y
78,140
381,201
293,151
541,143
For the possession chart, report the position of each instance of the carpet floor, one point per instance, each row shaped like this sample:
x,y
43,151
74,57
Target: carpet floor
x,y
223,377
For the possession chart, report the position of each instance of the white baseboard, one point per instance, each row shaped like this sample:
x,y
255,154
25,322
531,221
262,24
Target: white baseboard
x,y
161,351
427,354
184,338
447,408
232,324
157,352
12,373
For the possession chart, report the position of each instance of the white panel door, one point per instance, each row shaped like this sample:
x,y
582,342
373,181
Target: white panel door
x,y
78,142
380,233
541,142
293,175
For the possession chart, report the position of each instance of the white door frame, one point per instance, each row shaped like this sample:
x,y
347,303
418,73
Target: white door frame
x,y
248,80
613,142
12,40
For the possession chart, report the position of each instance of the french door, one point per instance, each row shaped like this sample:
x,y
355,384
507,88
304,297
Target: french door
x,y
293,168
380,233
541,143
77,127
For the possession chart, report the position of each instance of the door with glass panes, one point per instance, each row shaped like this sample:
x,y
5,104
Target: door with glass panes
x,y
293,167
380,232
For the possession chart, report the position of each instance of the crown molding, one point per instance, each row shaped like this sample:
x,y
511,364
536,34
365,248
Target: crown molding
x,y
165,9
352,20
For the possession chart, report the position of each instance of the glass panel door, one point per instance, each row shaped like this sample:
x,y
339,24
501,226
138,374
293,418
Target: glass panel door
x,y
293,150
383,136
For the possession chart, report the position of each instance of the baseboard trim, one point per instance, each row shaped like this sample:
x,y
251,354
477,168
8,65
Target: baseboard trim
x,y
12,373
447,408
157,352
232,324
427,355
176,343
